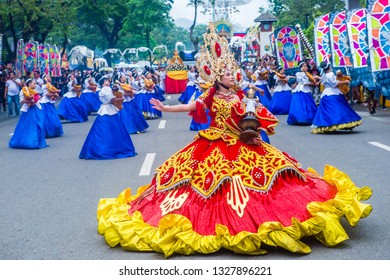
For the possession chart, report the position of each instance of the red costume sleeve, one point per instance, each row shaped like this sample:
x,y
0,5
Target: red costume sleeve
x,y
267,120
203,102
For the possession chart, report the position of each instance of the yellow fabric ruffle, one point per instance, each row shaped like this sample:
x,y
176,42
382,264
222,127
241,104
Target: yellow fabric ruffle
x,y
178,75
174,233
324,129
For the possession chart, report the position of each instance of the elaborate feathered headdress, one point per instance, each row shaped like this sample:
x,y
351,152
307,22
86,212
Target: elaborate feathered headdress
x,y
215,57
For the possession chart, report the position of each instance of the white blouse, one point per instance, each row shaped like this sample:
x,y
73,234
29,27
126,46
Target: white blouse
x,y
107,108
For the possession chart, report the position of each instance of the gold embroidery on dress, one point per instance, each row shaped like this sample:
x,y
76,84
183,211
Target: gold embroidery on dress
x,y
222,130
172,203
176,170
237,197
211,173
258,172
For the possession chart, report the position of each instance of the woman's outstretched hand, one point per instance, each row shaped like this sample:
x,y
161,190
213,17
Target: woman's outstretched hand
x,y
157,104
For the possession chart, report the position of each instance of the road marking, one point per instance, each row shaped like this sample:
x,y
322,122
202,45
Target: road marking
x,y
147,165
11,134
385,147
169,97
162,124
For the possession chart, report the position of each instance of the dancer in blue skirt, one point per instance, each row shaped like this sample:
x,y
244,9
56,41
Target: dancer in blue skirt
x,y
302,108
281,100
334,112
201,87
30,130
144,95
185,97
53,125
131,114
90,95
261,76
71,108
108,137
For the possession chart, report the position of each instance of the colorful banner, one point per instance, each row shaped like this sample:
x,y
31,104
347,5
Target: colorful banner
x,y
59,64
378,25
53,60
341,54
43,59
19,59
357,31
288,47
30,58
322,39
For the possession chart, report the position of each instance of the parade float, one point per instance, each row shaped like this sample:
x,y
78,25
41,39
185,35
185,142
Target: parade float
x,y
177,75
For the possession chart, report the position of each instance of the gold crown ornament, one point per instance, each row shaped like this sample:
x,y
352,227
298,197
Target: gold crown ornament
x,y
215,57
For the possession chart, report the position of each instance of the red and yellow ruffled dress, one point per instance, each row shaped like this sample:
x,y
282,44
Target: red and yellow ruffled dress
x,y
218,192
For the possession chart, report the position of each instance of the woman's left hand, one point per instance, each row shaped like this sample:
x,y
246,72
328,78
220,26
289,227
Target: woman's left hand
x,y
157,104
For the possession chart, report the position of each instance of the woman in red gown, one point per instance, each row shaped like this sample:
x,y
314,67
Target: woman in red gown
x,y
219,192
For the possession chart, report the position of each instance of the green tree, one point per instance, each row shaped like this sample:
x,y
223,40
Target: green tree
x,y
30,20
108,16
146,15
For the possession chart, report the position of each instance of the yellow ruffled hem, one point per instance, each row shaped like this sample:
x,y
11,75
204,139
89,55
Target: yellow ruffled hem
x,y
325,129
174,233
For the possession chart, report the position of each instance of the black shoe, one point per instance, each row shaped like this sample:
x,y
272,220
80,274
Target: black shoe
x,y
373,112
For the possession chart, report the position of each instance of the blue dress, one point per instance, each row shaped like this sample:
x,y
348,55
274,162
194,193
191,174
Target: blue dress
x,y
281,100
30,130
72,109
142,99
302,108
265,99
195,126
186,96
132,117
101,145
334,112
91,100
53,125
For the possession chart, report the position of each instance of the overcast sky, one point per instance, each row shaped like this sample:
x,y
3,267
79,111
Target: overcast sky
x,y
248,13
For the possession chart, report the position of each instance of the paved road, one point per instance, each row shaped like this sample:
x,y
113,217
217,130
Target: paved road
x,y
48,197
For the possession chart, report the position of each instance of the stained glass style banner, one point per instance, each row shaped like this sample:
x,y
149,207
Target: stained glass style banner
x,y
288,47
322,39
378,26
341,54
19,58
55,61
43,59
357,31
30,58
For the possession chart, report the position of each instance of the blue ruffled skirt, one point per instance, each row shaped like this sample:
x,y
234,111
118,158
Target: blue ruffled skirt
x,y
159,93
194,126
100,144
334,113
30,131
91,101
186,96
132,117
53,125
265,99
280,103
143,101
302,109
72,109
